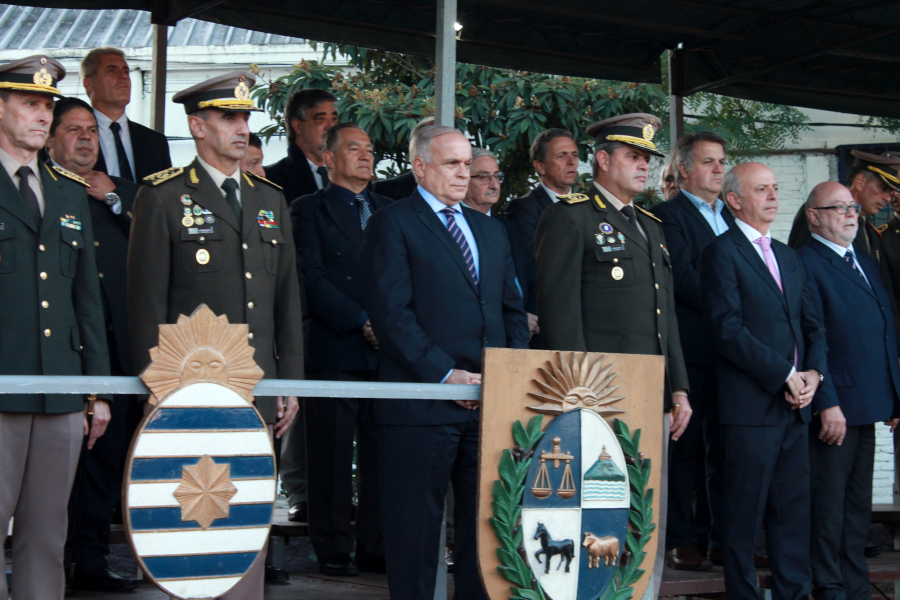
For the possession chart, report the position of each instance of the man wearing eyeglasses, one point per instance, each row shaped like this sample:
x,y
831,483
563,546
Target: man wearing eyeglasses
x,y
864,388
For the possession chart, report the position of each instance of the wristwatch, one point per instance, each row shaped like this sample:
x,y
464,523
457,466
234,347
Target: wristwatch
x,y
111,198
821,377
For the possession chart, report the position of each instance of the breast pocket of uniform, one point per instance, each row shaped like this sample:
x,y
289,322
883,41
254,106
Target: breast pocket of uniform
x,y
70,250
7,248
201,252
272,242
614,267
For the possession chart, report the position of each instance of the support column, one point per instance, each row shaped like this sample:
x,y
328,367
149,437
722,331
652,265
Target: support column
x,y
445,64
676,98
158,77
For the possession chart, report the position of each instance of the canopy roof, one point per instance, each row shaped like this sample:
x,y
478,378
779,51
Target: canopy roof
x,y
835,55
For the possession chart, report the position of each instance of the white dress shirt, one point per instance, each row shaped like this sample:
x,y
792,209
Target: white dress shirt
x,y
108,143
219,178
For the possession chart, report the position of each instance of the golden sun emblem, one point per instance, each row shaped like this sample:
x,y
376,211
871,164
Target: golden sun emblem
x,y
241,91
42,77
649,131
202,348
576,381
205,492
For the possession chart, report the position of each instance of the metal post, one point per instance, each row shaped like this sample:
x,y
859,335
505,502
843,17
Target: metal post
x,y
676,99
445,65
158,77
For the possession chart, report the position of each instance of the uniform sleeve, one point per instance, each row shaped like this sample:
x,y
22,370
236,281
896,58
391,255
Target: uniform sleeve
x,y
560,252
288,308
521,214
826,396
686,276
88,304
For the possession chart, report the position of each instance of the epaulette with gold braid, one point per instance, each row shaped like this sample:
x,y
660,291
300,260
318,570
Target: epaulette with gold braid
x,y
649,214
572,198
71,175
158,178
249,174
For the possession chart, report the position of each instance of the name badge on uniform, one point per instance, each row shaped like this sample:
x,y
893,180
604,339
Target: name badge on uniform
x,y
617,273
202,256
266,218
70,222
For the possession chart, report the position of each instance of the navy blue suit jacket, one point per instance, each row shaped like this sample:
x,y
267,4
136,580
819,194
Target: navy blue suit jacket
x,y
293,174
755,327
687,234
150,149
862,355
328,239
427,312
526,212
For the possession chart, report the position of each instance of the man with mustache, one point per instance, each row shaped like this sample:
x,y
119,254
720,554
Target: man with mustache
x,y
73,145
208,233
51,316
127,149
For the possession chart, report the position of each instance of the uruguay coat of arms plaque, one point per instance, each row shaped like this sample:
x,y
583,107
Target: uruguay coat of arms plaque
x,y
570,448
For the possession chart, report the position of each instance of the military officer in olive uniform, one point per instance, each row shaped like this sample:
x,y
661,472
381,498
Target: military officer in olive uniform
x,y
208,233
604,277
51,323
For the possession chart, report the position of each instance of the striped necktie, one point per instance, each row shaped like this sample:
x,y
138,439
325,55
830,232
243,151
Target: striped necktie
x,y
849,256
365,213
460,240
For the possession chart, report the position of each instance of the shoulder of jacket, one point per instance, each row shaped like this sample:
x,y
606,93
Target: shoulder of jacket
x,y
881,228
162,176
649,214
572,198
251,176
69,175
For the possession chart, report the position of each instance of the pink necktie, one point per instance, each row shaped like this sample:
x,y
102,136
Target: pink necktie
x,y
766,244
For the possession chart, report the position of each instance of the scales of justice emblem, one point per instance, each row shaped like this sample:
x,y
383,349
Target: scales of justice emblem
x,y
200,480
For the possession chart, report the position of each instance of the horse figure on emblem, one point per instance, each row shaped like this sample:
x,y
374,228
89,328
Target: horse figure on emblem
x,y
551,547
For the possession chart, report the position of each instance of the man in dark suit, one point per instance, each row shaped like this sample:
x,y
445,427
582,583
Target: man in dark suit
x,y
439,286
128,150
73,145
210,234
403,185
691,220
771,359
51,316
328,233
864,388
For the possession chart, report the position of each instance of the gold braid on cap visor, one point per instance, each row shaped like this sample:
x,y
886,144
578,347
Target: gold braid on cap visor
x,y
30,87
885,175
630,139
234,103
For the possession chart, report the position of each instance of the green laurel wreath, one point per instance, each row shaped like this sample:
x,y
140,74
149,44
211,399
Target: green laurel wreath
x,y
507,510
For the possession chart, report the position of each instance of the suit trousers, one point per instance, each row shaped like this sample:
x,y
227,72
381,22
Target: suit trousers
x,y
767,479
330,427
841,513
292,467
416,464
38,459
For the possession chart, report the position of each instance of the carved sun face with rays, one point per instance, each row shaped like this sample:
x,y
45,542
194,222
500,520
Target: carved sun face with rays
x,y
576,381
203,347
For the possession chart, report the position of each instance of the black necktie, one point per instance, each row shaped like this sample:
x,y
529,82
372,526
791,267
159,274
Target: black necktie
x,y
365,213
124,167
28,194
323,173
628,211
230,187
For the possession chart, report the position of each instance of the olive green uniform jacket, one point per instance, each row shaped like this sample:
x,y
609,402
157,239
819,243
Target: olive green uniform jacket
x,y
51,314
603,287
245,271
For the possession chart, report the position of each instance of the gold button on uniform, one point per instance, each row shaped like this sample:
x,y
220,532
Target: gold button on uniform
x,y
100,275
656,285
45,304
96,243
46,333
43,275
615,260
250,335
250,305
42,247
657,311
248,275
74,243
244,246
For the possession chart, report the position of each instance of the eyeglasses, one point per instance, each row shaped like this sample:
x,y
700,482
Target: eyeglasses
x,y
670,179
486,178
841,209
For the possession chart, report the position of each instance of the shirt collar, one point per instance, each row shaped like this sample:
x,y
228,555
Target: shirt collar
x,y
617,204
553,195
435,204
841,250
218,176
750,231
104,121
313,166
11,165
716,207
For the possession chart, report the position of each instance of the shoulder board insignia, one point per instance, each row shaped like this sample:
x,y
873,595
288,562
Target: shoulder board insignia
x,y
248,174
71,175
877,230
158,178
599,201
649,214
572,198
881,228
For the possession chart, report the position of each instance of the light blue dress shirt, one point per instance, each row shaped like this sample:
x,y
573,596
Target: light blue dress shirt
x,y
437,206
712,214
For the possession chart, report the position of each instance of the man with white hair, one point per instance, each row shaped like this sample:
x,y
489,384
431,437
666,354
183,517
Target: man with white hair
x,y
434,306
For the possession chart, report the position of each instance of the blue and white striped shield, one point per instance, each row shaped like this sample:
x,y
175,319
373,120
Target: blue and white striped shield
x,y
200,491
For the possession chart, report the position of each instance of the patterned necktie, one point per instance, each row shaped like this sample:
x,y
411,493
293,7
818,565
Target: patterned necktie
x,y
460,240
849,256
766,244
323,173
365,213
124,167
28,194
230,187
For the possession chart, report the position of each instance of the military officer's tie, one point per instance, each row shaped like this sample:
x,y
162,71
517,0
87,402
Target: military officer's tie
x,y
365,213
628,211
230,187
124,166
848,256
323,173
28,194
460,239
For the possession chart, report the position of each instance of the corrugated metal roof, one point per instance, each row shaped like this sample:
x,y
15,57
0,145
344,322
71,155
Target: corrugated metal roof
x,y
27,27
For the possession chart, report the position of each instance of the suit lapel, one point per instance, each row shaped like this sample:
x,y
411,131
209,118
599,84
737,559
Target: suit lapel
x,y
251,204
544,200
53,199
620,222
784,265
301,164
342,215
208,196
842,266
691,210
745,247
435,226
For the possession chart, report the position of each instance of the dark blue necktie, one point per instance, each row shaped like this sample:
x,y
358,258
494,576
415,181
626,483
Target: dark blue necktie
x,y
124,167
365,213
460,240
848,256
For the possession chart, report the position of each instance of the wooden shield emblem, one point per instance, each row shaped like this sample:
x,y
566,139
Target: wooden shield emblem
x,y
201,482
570,448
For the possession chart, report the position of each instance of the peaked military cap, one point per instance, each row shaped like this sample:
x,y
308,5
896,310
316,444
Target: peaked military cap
x,y
635,129
885,165
36,74
229,92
